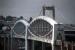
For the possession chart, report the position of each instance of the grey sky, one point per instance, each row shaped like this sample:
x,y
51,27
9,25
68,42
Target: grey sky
x,y
65,9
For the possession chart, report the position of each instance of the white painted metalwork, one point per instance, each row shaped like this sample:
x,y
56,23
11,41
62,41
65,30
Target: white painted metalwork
x,y
21,26
50,28
23,32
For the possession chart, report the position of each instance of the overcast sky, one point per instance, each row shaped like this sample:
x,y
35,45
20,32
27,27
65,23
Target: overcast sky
x,y
65,9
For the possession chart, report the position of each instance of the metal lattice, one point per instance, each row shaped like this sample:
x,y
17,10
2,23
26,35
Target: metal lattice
x,y
40,28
